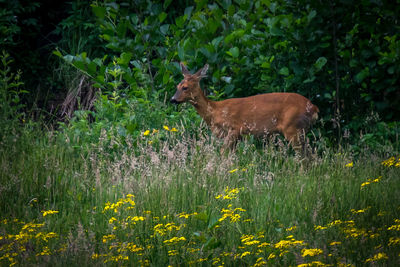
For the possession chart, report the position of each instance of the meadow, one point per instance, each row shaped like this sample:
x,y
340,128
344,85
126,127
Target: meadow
x,y
168,198
97,169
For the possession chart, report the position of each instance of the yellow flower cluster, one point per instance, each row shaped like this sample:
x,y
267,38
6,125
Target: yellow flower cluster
x,y
135,219
391,162
289,242
162,229
350,165
370,181
260,262
394,241
107,238
230,213
174,240
45,236
134,248
313,264
147,132
319,227
395,227
173,252
291,228
377,257
168,129
120,203
186,215
116,258
249,240
30,236
310,252
229,193
359,211
49,212
45,251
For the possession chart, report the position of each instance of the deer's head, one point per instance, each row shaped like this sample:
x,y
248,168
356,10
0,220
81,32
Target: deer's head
x,y
189,88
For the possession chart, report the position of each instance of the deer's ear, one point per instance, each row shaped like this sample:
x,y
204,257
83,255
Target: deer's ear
x,y
201,73
184,69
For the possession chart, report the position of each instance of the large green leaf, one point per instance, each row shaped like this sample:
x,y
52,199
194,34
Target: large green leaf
x,y
233,52
320,62
99,11
284,71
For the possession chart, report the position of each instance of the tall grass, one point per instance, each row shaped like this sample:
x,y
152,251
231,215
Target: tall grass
x,y
167,198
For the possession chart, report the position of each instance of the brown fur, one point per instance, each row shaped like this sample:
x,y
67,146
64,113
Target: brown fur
x,y
287,113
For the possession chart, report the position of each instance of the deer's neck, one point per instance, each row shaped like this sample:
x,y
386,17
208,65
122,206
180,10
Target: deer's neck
x,y
204,107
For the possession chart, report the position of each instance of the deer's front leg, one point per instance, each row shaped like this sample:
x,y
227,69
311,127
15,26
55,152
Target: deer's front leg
x,y
230,140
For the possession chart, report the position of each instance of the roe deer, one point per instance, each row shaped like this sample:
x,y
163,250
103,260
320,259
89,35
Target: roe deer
x,y
290,114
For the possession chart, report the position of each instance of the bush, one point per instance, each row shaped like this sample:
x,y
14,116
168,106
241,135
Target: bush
x,y
252,47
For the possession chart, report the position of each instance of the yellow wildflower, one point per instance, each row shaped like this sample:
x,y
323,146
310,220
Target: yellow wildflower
x,y
365,184
359,211
174,240
291,228
137,218
334,243
95,256
394,241
264,244
174,130
271,256
319,227
377,179
283,244
377,257
313,264
49,212
260,262
336,222
234,170
45,251
370,181
166,127
111,220
395,227
107,238
311,252
147,132
172,252
245,254
133,248
250,243
389,162
235,217
350,165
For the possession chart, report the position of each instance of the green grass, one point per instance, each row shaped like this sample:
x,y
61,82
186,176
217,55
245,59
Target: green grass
x,y
190,205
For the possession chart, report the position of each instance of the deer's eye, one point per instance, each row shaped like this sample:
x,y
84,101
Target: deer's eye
x,y
184,88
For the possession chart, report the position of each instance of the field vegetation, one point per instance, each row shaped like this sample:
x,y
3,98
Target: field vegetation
x,y
115,175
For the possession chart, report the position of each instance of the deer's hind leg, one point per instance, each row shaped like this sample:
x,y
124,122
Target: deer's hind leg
x,y
296,138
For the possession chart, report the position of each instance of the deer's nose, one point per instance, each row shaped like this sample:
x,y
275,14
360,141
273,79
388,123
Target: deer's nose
x,y
173,100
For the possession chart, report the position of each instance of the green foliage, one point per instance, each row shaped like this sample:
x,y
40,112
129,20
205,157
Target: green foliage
x,y
254,47
14,17
11,107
